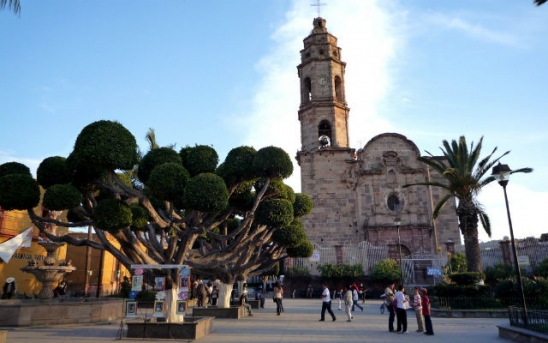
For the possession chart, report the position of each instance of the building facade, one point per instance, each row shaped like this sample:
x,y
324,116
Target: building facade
x,y
358,194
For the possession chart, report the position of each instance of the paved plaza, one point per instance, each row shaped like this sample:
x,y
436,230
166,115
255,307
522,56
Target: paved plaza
x,y
299,323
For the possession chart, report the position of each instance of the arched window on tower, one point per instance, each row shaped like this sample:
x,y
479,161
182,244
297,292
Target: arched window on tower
x,y
324,129
306,91
338,89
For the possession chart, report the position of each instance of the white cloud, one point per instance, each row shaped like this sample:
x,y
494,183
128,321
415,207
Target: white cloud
x,y
525,206
33,164
370,41
473,30
368,47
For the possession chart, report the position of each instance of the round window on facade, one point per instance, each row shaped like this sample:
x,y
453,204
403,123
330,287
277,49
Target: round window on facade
x,y
393,203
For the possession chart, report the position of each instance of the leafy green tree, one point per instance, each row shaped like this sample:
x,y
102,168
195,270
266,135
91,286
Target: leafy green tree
x,y
386,270
496,273
542,269
175,216
331,271
457,264
465,176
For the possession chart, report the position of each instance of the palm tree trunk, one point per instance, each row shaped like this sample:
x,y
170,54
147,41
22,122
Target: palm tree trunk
x,y
468,223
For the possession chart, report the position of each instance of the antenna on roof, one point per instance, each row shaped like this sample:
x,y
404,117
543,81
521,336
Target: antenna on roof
x,y
319,5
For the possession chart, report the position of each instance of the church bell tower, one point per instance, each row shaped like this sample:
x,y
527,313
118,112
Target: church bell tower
x,y
325,156
323,110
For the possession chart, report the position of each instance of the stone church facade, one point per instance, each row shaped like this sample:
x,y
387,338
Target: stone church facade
x,y
358,193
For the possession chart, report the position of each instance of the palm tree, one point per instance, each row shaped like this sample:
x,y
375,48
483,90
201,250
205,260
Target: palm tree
x,y
14,5
465,176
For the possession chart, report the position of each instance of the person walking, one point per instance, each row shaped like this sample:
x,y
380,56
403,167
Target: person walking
x,y
326,303
309,291
388,301
355,298
363,292
278,294
348,303
417,306
426,313
338,296
259,296
402,302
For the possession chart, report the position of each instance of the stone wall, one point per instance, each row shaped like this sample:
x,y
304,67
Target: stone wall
x,y
32,313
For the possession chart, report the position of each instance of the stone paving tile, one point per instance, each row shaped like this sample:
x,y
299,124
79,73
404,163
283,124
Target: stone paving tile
x,y
298,324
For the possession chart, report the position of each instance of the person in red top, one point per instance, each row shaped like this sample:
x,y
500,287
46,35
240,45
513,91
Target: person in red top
x,y
426,313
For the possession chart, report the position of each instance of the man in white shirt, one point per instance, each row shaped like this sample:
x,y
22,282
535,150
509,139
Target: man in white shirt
x,y
402,302
326,303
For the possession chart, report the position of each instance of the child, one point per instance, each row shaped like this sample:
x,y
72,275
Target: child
x,y
426,313
338,296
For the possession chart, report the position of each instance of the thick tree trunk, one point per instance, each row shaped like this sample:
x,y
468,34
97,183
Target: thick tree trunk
x,y
171,306
468,222
225,291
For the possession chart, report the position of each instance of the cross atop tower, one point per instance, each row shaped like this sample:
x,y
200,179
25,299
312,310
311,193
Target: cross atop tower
x,y
319,5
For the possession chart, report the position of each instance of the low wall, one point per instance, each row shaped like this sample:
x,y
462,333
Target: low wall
x,y
469,313
33,313
235,312
516,334
192,328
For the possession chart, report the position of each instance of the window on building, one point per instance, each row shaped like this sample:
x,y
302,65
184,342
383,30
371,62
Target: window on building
x,y
338,89
393,203
324,129
306,91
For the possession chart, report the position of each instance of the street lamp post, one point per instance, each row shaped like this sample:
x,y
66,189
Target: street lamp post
x,y
501,173
397,221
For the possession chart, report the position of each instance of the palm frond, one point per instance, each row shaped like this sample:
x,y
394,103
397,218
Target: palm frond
x,y
437,165
14,5
522,170
486,181
485,221
440,205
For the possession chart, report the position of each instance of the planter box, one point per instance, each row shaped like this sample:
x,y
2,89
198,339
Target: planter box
x,y
192,328
234,312
521,335
254,303
32,313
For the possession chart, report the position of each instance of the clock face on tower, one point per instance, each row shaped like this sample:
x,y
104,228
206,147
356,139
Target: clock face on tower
x,y
322,80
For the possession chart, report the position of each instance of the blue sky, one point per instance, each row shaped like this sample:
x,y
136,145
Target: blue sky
x,y
223,73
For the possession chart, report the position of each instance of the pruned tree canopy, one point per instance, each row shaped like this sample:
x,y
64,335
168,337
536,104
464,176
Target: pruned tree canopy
x,y
230,220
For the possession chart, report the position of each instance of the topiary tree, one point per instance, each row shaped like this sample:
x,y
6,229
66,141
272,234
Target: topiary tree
x,y
53,171
179,208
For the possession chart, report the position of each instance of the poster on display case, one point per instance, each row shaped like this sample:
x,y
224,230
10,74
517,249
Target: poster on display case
x,y
159,283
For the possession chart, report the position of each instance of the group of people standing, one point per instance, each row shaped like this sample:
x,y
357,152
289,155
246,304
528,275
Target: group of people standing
x,y
397,304
205,293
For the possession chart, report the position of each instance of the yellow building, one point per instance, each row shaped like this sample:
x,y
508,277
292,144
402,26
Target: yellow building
x,y
97,269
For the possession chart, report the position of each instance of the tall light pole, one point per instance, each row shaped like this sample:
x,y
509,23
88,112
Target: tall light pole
x,y
501,173
397,221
